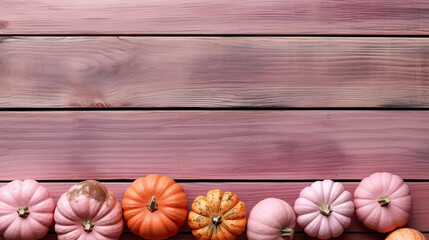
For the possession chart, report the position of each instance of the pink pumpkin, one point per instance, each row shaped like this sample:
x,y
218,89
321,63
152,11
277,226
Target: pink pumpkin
x,y
26,210
271,219
383,202
88,211
324,209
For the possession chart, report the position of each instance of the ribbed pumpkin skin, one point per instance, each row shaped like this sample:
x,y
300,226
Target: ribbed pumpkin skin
x,y
40,205
88,200
312,199
167,219
268,218
229,211
406,234
383,218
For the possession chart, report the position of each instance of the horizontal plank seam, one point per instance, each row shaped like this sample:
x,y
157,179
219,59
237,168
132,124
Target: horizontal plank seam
x,y
222,35
297,232
214,180
216,109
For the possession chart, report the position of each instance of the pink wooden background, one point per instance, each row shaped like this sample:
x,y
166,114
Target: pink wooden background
x,y
256,97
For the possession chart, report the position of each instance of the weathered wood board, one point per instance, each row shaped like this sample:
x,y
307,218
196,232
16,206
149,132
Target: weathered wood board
x,y
256,97
213,72
333,17
251,145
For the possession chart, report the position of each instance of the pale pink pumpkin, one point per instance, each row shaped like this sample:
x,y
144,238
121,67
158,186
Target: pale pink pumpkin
x,y
383,202
324,209
88,211
26,210
271,219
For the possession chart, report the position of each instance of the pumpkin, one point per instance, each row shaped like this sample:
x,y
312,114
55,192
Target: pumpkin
x,y
271,219
217,216
324,209
155,207
26,210
88,210
383,202
406,234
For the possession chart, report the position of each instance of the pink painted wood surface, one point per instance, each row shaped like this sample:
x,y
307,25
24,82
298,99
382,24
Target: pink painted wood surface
x,y
218,17
213,144
253,192
299,236
57,72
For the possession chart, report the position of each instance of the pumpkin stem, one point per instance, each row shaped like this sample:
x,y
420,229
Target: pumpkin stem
x,y
325,209
23,211
87,226
216,219
152,205
384,201
287,231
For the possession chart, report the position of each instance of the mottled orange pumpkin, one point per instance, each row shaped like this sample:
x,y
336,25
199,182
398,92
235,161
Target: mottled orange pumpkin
x,y
406,234
155,207
217,216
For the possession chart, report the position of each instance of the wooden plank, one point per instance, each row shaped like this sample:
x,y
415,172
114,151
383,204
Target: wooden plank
x,y
253,192
213,72
221,17
213,144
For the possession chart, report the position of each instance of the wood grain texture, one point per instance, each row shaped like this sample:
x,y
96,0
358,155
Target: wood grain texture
x,y
299,236
219,17
213,144
253,192
213,72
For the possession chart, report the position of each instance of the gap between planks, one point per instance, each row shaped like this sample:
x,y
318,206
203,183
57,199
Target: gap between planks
x,y
187,109
214,180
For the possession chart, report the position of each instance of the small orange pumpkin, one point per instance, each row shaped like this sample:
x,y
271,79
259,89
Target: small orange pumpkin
x,y
218,215
155,207
406,234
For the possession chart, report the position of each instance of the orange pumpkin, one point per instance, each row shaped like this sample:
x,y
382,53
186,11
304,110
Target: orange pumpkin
x,y
218,215
155,207
406,234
